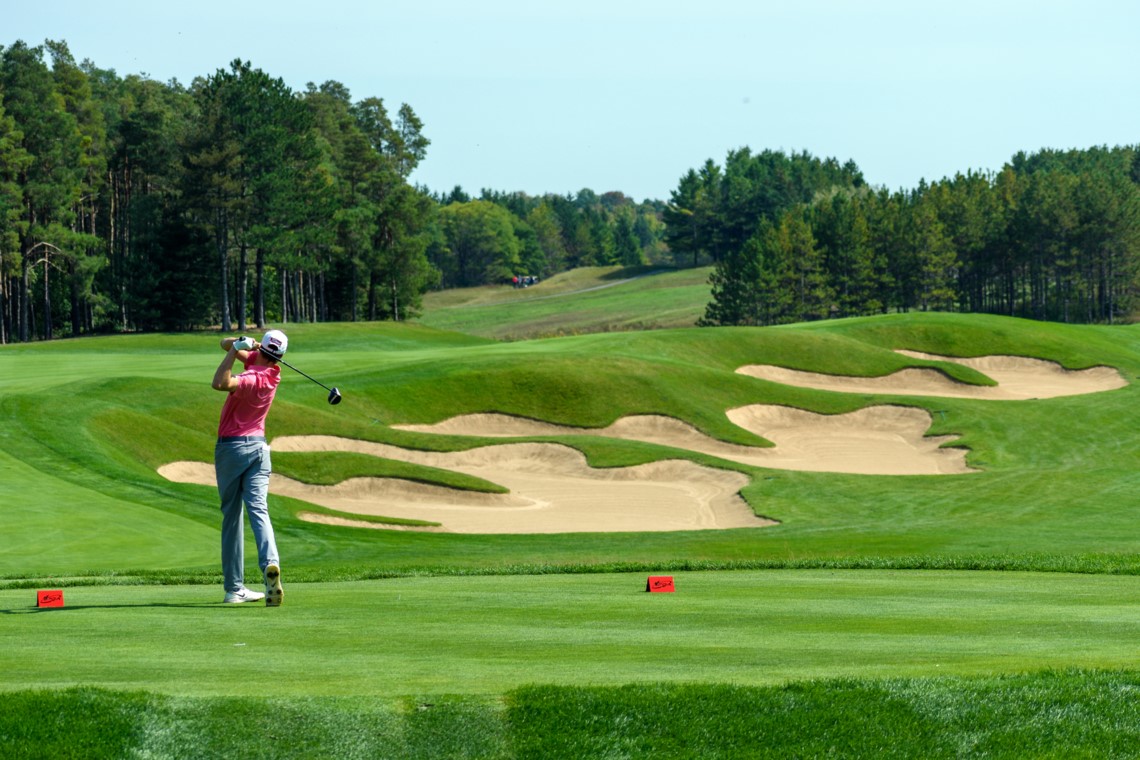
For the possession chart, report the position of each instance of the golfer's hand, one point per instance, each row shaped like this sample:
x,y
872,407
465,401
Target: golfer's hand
x,y
244,344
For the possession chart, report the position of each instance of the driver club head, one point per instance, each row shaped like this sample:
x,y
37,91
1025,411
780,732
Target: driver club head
x,y
334,396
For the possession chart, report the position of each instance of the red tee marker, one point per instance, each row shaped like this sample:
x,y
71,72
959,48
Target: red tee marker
x,y
52,598
659,583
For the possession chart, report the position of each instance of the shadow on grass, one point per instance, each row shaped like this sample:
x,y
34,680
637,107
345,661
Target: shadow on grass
x,y
70,607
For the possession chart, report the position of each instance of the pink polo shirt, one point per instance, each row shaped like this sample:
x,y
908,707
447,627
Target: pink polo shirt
x,y
246,408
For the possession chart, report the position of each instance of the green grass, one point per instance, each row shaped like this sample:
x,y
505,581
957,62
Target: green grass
x,y
517,639
332,467
92,723
490,634
1056,491
586,300
1065,714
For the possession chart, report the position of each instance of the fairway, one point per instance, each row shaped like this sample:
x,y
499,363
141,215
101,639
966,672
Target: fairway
x,y
903,548
588,299
489,635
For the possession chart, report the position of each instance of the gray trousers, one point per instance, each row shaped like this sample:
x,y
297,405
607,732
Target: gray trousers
x,y
242,468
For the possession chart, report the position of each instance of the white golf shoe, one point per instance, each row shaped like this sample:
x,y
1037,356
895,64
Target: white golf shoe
x,y
244,595
273,590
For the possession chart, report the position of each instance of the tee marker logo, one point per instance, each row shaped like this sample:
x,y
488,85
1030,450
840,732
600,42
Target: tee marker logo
x,y
659,584
52,598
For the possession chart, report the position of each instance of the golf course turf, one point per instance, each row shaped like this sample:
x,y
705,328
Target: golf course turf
x,y
990,613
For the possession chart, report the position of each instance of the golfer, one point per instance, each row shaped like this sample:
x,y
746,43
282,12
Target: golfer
x,y
241,462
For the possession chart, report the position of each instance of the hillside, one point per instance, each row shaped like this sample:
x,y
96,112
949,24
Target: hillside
x,y
586,300
96,418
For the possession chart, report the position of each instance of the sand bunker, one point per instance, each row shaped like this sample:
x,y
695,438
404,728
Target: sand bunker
x,y
880,440
1017,378
552,490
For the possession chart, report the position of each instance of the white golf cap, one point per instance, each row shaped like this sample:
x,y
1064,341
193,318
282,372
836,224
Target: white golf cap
x,y
275,343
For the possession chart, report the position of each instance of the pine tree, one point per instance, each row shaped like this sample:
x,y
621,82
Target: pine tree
x,y
14,160
50,181
803,275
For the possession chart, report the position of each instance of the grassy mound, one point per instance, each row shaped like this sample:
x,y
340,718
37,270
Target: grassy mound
x,y
584,300
81,449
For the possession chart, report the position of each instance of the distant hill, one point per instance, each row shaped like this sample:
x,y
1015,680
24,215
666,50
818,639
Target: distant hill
x,y
586,300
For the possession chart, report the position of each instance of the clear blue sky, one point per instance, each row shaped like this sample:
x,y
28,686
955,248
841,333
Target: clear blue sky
x,y
629,94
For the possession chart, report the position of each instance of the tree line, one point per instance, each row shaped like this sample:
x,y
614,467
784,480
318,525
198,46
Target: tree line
x,y
498,235
1054,235
130,204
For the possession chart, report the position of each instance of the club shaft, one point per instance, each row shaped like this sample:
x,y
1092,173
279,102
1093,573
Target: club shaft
x,y
299,372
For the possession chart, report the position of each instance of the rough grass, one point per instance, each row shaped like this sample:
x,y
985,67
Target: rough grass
x,y
1070,714
1053,714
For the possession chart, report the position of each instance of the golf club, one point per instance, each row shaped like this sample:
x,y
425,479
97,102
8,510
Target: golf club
x,y
334,393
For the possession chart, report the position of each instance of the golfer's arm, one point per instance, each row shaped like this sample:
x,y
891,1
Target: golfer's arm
x,y
228,343
224,379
